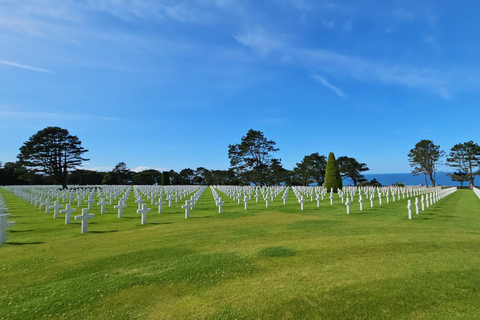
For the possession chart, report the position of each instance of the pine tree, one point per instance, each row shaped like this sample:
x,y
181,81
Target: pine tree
x,y
332,174
165,178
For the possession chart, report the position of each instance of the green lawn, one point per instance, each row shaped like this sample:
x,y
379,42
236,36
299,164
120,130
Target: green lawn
x,y
264,263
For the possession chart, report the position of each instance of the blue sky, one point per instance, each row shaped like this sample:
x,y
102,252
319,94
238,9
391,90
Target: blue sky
x,y
170,84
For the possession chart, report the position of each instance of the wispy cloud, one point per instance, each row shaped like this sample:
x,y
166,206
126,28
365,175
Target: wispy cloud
x,y
259,40
347,66
23,66
322,80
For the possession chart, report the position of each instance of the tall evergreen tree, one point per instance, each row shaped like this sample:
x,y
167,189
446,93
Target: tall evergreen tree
x,y
165,178
333,179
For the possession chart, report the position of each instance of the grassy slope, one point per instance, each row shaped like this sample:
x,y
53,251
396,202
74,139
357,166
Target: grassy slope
x,y
269,263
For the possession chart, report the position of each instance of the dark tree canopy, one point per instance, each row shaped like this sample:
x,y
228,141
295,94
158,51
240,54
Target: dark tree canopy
x,y
350,168
333,180
311,169
425,158
120,174
14,173
148,177
276,173
252,157
371,183
52,151
466,158
84,177
459,177
124,174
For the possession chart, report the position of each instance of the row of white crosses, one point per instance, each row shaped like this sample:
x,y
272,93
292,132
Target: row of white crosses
x,y
190,204
428,196
245,193
77,194
434,197
370,192
42,196
308,192
218,200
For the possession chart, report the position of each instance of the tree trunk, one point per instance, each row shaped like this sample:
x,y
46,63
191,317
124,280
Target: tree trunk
x,y
432,180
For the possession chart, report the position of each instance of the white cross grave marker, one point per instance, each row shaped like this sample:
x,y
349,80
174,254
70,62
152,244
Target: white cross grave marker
x,y
409,207
169,198
144,211
102,205
219,204
68,210
56,207
139,201
89,201
84,217
160,204
302,202
120,207
188,205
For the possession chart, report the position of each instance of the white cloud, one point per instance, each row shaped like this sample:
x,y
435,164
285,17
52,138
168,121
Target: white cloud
x,y
259,40
24,66
102,169
143,168
322,80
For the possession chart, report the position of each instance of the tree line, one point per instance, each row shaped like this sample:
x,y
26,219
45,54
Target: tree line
x,y
53,155
464,158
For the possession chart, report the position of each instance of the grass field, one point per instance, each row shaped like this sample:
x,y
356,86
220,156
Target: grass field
x,y
264,263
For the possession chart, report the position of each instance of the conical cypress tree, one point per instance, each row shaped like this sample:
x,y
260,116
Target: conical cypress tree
x,y
165,178
332,174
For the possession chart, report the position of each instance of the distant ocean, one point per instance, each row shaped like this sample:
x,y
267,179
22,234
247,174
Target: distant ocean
x,y
408,179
